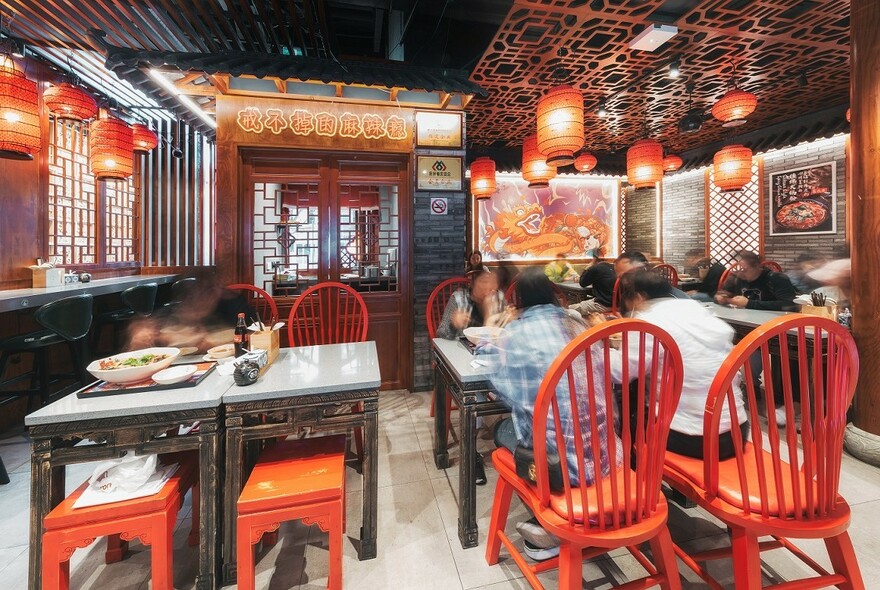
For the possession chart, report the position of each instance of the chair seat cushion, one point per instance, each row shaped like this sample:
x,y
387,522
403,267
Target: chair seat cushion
x,y
296,472
30,341
730,489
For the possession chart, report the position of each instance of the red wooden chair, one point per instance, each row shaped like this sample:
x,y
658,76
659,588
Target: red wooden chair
x,y
668,272
596,513
512,299
437,302
259,299
782,484
615,298
774,266
726,275
327,313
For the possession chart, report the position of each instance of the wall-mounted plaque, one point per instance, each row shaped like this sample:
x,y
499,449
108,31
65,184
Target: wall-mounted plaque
x,y
435,129
439,173
803,200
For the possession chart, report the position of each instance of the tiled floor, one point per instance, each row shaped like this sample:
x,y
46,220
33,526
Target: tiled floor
x,y
418,540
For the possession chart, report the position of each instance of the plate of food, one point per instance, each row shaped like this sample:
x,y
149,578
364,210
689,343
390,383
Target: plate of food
x,y
802,215
132,366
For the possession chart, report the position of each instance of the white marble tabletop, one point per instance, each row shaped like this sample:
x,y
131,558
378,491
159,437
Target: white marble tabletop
x,y
740,315
13,299
459,359
305,370
207,394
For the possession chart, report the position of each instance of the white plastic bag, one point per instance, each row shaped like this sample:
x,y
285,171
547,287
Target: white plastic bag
x,y
126,474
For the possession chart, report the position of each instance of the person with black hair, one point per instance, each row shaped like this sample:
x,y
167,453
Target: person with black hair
x,y
753,286
474,263
471,307
602,277
710,272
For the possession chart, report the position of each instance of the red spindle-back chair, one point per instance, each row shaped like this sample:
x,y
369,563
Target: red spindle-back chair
x,y
437,302
512,299
260,300
782,482
327,313
726,275
623,504
772,265
615,298
668,272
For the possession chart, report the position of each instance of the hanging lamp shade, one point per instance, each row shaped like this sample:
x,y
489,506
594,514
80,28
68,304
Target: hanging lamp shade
x,y
561,125
644,163
534,166
67,101
671,163
732,168
848,115
111,149
19,113
144,138
733,108
483,177
585,161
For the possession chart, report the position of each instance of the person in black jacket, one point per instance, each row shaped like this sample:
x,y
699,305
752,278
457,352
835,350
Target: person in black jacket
x,y
708,285
602,277
756,287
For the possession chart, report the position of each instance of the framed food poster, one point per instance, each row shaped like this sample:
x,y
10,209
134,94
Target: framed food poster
x,y
804,200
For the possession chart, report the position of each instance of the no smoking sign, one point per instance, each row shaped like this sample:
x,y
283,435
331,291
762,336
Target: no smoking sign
x,y
439,206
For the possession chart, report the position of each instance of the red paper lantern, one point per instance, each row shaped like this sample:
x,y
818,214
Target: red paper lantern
x,y
534,166
732,168
585,161
111,149
19,113
483,177
848,114
67,101
733,108
145,139
561,125
644,163
671,163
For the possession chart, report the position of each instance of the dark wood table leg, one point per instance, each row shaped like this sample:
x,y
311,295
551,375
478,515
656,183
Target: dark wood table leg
x,y
209,506
369,528
231,491
441,451
47,490
467,488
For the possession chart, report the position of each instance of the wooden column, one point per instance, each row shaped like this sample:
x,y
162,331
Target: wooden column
x,y
865,205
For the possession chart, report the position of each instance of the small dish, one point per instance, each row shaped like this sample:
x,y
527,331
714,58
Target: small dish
x,y
174,374
222,351
188,350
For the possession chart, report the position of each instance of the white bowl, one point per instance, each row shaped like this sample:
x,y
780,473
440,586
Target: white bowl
x,y
128,374
174,374
484,334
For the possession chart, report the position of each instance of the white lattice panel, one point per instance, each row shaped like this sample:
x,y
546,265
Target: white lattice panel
x,y
734,218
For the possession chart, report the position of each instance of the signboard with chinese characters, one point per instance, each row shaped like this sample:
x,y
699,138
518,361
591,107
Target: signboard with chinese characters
x,y
435,129
279,122
438,173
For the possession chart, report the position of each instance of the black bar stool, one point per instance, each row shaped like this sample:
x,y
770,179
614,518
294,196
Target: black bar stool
x,y
66,320
139,301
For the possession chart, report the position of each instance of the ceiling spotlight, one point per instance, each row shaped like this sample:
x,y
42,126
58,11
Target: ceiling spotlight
x,y
602,112
675,69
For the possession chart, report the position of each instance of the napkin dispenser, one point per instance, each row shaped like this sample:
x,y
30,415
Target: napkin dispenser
x,y
268,340
825,311
47,276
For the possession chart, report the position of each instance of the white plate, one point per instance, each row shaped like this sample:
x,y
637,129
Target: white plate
x,y
174,374
131,374
222,351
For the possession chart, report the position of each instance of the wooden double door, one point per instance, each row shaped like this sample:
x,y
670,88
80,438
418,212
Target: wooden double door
x,y
343,217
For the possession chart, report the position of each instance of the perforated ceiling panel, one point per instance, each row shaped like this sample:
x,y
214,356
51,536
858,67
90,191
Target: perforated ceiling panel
x,y
773,42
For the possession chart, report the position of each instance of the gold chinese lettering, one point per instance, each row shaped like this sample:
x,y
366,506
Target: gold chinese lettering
x,y
302,122
275,121
395,128
251,119
326,124
350,125
374,126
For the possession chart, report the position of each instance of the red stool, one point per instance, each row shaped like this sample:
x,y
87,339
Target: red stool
x,y
294,479
151,519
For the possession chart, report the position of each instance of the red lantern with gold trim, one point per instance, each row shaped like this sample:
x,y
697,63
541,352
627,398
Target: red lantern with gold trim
x,y
561,125
145,139
733,108
111,149
585,161
671,163
848,115
67,101
644,163
483,177
19,113
534,165
732,168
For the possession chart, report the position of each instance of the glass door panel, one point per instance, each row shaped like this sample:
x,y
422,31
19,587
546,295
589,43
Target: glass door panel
x,y
369,236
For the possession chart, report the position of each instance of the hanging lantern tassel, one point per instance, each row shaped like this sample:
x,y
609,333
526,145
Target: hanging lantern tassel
x,y
585,161
561,125
145,139
19,113
483,177
733,108
644,163
671,163
534,166
67,101
111,149
732,168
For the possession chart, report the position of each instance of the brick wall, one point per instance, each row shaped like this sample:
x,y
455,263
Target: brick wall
x,y
684,215
641,220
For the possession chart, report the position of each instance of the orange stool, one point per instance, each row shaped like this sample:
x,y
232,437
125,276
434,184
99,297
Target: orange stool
x,y
295,479
151,519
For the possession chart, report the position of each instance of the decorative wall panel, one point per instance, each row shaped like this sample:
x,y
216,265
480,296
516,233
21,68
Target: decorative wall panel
x,y
733,219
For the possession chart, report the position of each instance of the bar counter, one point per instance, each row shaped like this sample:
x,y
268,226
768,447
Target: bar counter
x,y
13,299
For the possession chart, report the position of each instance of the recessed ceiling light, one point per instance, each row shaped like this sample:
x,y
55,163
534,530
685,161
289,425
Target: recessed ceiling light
x,y
653,37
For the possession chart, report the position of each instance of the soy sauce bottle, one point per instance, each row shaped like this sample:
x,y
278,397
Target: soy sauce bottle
x,y
240,340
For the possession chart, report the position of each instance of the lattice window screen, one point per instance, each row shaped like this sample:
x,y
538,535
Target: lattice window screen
x,y
119,207
734,219
622,213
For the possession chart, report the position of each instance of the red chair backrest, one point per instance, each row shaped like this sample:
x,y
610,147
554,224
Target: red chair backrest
x,y
327,313
774,266
439,298
822,379
615,298
259,299
512,299
668,272
580,377
726,274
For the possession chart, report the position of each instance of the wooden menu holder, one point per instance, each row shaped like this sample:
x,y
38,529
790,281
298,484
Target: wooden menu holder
x,y
825,311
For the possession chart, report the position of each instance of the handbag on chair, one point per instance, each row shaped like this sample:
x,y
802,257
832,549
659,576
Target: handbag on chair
x,y
524,459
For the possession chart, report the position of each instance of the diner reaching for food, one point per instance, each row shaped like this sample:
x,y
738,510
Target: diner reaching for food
x,y
753,286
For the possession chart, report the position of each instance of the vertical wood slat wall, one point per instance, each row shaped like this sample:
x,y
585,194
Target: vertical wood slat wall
x,y
177,199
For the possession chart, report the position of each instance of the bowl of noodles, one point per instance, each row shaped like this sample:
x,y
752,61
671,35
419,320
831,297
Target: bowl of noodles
x,y
802,215
137,365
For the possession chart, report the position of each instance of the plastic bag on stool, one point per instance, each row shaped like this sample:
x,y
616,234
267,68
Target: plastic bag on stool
x,y
127,473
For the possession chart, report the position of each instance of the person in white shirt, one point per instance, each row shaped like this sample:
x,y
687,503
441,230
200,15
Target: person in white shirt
x,y
704,341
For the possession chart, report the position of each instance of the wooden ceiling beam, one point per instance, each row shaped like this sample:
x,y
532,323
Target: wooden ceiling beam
x,y
198,90
285,30
219,21
248,26
161,35
280,84
220,82
203,42
263,14
297,26
445,97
